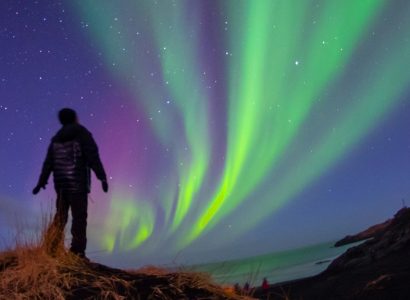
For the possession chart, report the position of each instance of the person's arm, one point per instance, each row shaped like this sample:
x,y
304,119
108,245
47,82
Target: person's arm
x,y
46,170
92,155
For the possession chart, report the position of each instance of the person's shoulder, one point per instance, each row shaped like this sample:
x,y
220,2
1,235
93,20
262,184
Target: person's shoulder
x,y
84,133
56,137
82,128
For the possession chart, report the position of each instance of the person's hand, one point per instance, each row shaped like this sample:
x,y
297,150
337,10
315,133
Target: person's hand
x,y
104,185
37,189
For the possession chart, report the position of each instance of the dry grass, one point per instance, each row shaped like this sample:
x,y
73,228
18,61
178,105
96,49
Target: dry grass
x,y
28,272
183,280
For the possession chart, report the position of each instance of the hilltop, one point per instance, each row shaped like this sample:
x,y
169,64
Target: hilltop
x,y
29,273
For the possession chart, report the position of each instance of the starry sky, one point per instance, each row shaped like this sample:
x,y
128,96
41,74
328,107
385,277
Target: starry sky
x,y
227,128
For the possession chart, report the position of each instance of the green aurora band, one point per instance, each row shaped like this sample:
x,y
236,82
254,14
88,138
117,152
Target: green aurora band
x,y
284,60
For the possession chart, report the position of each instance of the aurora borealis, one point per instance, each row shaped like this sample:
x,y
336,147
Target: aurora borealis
x,y
227,128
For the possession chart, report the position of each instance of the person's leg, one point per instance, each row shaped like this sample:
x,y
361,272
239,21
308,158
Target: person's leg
x,y
54,238
79,204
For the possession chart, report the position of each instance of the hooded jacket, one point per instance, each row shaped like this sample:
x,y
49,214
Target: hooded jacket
x,y
70,156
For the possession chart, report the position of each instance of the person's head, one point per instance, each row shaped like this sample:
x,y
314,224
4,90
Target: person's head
x,y
67,116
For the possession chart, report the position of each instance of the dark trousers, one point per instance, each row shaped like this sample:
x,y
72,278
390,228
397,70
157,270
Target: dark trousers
x,y
55,233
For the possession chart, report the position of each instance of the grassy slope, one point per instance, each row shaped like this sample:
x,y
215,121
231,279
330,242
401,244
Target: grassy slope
x,y
27,272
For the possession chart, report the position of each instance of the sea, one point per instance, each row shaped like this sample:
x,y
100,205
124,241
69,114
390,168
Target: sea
x,y
275,267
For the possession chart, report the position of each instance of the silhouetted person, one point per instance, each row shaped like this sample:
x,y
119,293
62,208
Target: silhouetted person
x,y
247,287
265,284
70,156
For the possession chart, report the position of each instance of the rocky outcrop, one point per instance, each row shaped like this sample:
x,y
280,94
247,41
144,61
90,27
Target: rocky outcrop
x,y
370,232
377,269
395,237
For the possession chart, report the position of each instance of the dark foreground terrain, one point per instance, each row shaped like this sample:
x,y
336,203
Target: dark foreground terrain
x,y
377,269
28,273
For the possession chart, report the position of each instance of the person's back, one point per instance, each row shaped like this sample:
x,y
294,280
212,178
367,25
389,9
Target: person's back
x,y
71,154
70,169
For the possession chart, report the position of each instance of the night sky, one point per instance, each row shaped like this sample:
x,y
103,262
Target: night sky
x,y
227,128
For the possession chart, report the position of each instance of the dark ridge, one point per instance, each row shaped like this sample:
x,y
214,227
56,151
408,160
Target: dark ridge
x,y
377,269
370,232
